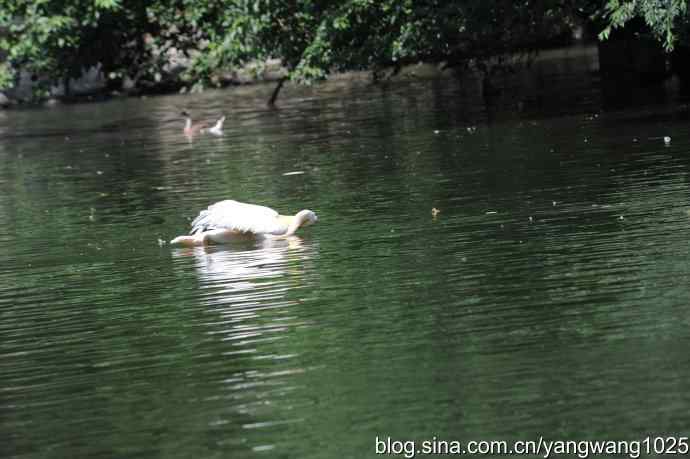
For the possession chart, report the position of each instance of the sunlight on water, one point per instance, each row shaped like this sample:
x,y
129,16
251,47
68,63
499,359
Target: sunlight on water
x,y
547,296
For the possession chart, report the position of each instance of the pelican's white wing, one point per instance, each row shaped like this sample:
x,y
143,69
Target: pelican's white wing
x,y
238,216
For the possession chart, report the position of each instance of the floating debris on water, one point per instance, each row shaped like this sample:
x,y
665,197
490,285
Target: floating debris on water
x,y
437,131
554,203
491,212
435,212
293,173
620,217
471,129
161,242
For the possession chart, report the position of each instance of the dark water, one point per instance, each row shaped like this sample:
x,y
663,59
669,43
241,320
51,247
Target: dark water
x,y
548,297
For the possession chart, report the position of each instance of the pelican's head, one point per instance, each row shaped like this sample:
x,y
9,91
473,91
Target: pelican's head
x,y
307,217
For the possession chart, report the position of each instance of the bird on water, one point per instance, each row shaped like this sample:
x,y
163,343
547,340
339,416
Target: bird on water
x,y
229,220
191,129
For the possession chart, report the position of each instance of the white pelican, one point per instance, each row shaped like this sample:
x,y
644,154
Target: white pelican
x,y
227,220
191,129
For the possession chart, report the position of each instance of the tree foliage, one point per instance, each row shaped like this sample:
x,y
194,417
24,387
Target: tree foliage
x,y
667,19
170,43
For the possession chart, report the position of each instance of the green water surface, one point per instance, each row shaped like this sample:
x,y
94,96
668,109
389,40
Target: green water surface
x,y
549,297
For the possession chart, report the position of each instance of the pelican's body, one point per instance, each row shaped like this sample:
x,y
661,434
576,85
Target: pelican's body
x,y
228,220
191,129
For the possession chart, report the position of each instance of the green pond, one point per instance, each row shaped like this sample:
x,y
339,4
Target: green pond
x,y
549,297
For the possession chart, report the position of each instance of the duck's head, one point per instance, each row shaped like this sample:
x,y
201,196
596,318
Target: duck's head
x,y
185,113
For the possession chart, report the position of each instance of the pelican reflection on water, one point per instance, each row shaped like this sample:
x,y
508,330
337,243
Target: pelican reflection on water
x,y
265,268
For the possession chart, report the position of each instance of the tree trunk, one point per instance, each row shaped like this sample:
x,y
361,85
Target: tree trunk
x,y
276,91
65,83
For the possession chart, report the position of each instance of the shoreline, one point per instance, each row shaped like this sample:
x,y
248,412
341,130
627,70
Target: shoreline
x,y
259,74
